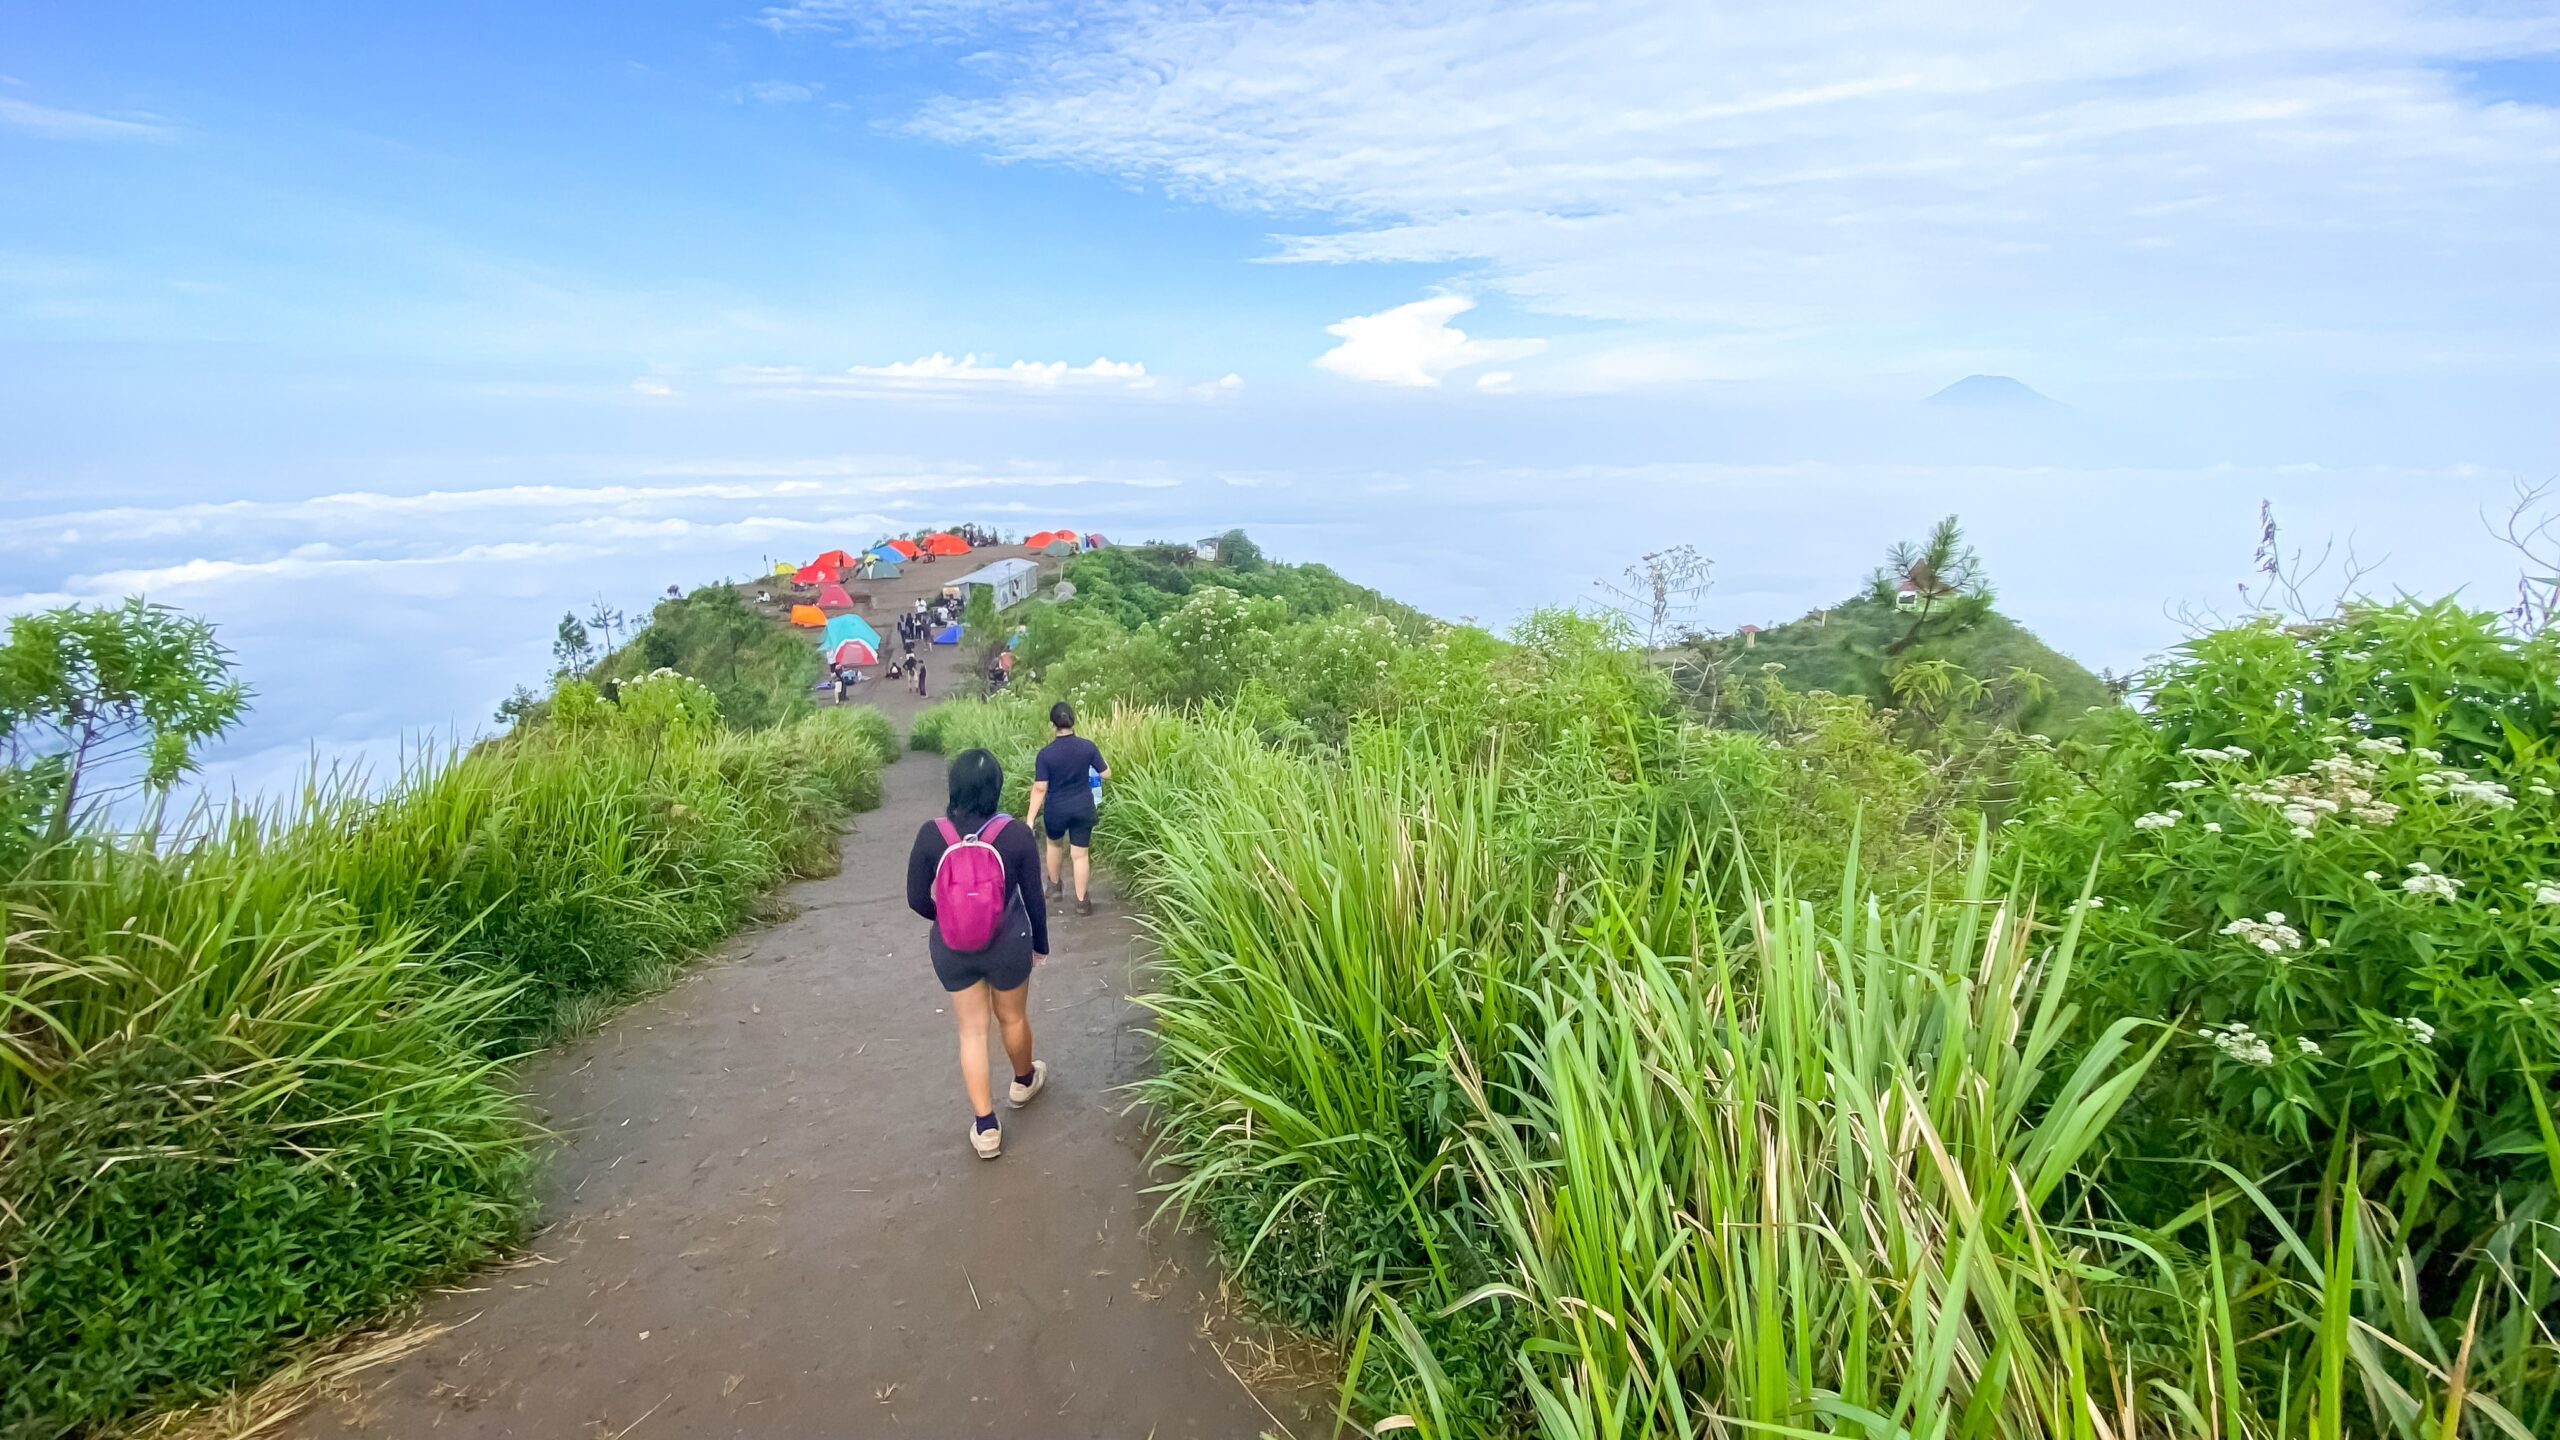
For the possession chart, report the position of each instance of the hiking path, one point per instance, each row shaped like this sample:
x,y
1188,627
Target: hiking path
x,y
761,1216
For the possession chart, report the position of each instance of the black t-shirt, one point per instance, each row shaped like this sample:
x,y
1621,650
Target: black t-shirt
x,y
1068,763
1013,844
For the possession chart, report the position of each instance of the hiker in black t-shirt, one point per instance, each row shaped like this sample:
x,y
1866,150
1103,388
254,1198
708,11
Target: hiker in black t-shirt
x,y
1064,787
994,981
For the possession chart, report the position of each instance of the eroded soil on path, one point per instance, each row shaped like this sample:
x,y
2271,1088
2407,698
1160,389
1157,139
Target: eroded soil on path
x,y
763,1219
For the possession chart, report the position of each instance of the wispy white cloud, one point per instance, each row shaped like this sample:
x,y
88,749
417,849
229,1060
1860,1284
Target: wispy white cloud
x,y
940,369
58,124
1780,189
780,92
894,21
1415,344
968,376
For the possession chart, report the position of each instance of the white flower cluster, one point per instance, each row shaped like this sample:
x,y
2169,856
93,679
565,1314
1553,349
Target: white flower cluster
x,y
1773,666
2160,820
2227,752
2546,893
2306,1044
2432,757
2186,784
2272,934
2240,1043
2381,745
2455,785
2541,789
2423,881
2420,1030
2334,785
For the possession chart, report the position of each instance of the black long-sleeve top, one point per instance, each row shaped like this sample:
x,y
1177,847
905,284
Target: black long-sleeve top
x,y
1021,857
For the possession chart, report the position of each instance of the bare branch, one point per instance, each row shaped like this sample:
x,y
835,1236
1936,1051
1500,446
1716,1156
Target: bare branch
x,y
1659,591
2286,580
2531,528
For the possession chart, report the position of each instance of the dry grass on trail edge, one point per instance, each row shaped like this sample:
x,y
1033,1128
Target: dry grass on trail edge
x,y
325,1372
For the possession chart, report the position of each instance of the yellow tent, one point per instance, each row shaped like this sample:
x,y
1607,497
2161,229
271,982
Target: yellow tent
x,y
784,567
809,615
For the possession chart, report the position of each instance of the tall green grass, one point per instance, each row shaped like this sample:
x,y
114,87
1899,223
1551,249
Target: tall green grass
x,y
1513,1071
252,1082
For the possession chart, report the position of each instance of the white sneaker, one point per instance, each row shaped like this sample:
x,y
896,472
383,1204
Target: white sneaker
x,y
1020,1094
988,1143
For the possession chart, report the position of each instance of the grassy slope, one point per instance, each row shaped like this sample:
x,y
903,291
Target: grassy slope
x,y
1843,650
763,671
289,1030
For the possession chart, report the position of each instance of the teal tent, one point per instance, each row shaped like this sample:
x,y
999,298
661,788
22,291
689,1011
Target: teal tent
x,y
848,627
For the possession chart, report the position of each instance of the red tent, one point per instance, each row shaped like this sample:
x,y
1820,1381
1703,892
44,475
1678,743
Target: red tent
x,y
906,547
854,652
813,575
946,543
835,560
834,595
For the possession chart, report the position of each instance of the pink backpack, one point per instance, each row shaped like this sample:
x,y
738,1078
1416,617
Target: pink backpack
x,y
968,887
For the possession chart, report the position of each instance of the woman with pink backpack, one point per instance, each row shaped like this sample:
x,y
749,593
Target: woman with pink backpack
x,y
976,875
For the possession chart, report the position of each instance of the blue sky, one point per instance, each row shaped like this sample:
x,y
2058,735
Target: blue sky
x,y
657,288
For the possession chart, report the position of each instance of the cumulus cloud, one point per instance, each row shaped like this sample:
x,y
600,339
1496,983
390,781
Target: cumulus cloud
x,y
1780,189
56,124
1414,344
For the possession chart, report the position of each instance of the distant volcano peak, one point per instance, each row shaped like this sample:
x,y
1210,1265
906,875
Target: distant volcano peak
x,y
1993,392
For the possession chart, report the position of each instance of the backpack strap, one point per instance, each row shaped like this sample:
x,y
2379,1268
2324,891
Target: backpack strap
x,y
950,832
994,824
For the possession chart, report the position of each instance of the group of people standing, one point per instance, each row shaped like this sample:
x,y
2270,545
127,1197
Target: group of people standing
x,y
915,637
981,882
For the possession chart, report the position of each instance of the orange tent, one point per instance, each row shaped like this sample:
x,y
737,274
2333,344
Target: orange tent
x,y
835,560
834,595
809,615
1036,541
946,543
906,547
813,575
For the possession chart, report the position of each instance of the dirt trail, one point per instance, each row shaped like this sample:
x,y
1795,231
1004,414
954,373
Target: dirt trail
x,y
764,1219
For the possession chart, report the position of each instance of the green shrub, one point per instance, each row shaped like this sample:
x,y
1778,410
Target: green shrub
x,y
761,672
2333,854
245,1118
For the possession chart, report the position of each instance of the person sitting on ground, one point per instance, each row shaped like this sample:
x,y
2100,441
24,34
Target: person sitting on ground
x,y
1063,781
974,874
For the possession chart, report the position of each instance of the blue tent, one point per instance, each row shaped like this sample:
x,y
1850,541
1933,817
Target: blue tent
x,y
950,635
848,627
888,554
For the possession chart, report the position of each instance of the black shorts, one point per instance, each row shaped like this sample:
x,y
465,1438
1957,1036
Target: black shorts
x,y
1073,826
1004,965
